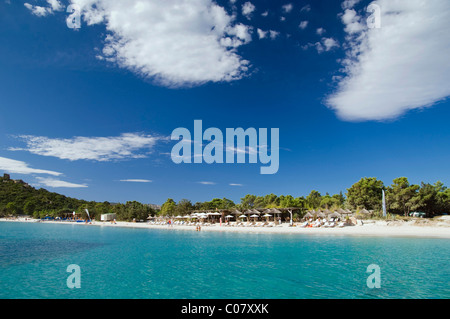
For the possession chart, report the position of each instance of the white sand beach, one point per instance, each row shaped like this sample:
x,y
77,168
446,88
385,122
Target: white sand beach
x,y
422,228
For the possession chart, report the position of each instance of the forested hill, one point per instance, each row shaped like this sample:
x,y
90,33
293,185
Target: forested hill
x,y
17,197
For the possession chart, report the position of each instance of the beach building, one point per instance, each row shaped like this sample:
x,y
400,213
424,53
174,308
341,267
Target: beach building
x,y
108,217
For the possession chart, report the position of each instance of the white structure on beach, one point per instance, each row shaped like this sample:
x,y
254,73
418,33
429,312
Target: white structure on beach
x,y
108,217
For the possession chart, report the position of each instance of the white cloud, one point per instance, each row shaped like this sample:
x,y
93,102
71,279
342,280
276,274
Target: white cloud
x,y
38,10
232,184
174,43
399,67
273,34
55,183
349,4
320,31
303,25
265,13
136,180
306,8
325,45
90,148
352,21
207,183
54,5
261,34
329,43
247,9
18,167
287,7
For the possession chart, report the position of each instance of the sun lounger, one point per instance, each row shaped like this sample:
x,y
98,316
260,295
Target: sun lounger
x,y
303,224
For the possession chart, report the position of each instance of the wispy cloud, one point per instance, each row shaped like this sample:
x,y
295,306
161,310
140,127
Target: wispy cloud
x,y
306,8
125,146
18,167
56,183
207,183
320,31
40,11
287,7
390,70
131,180
303,25
247,9
233,184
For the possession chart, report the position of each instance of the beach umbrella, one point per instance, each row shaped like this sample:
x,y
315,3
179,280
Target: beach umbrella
x,y
308,215
334,215
321,214
248,212
275,211
236,212
267,215
229,216
255,211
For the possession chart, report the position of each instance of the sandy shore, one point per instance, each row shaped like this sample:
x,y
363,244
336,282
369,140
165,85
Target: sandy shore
x,y
435,228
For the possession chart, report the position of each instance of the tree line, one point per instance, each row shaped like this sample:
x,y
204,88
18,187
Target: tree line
x,y
402,198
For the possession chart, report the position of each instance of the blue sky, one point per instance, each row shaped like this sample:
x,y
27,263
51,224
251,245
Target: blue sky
x,y
85,112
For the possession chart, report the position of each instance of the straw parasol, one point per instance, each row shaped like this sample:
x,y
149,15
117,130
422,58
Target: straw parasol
x,y
322,214
334,215
364,211
308,215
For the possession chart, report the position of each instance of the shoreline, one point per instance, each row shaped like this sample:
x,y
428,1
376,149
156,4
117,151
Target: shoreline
x,y
371,228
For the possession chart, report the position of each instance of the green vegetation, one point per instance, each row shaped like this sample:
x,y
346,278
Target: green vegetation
x,y
402,198
19,198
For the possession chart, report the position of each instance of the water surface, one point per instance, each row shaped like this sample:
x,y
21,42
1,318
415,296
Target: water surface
x,y
152,263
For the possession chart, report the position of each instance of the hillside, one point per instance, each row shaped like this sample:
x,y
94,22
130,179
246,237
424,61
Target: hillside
x,y
18,198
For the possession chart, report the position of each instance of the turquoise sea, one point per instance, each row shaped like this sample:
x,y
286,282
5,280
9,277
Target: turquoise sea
x,y
151,264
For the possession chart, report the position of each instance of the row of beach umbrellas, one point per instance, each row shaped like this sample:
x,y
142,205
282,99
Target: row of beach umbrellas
x,y
270,212
252,213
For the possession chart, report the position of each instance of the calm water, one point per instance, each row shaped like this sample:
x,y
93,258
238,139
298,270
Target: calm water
x,y
149,263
